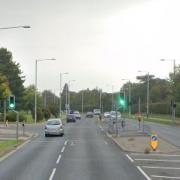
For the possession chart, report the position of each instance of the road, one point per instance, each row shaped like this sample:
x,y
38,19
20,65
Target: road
x,y
84,153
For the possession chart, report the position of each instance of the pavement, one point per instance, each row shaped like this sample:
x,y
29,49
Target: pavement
x,y
84,153
131,138
9,132
169,133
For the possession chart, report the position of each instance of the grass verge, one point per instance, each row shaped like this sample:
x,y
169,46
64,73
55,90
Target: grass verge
x,y
155,119
9,145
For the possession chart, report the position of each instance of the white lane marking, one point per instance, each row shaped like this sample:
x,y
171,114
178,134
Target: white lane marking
x,y
158,167
105,142
129,158
165,177
143,173
158,160
52,174
62,150
166,155
58,159
65,143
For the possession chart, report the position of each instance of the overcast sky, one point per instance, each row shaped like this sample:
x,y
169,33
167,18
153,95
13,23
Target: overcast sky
x,y
98,42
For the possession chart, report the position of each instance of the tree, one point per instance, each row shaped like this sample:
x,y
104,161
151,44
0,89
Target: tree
x,y
4,87
12,71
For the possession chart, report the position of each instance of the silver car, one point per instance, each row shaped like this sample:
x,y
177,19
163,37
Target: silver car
x,y
54,127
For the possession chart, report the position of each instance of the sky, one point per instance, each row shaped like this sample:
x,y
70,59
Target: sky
x,y
98,42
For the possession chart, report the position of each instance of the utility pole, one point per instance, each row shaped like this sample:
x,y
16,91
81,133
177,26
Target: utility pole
x,y
148,95
82,101
100,98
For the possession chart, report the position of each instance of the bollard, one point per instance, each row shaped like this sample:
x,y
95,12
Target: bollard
x,y
23,127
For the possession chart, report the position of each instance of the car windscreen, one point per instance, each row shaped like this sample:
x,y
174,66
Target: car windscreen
x,y
54,122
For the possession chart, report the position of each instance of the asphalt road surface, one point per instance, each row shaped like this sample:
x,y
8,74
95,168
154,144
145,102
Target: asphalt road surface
x,y
84,153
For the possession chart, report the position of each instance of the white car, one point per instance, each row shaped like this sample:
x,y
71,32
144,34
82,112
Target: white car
x,y
54,127
113,115
77,114
107,115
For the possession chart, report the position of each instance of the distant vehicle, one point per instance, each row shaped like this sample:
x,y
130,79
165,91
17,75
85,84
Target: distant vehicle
x,y
54,127
77,114
70,118
107,115
89,114
113,115
97,111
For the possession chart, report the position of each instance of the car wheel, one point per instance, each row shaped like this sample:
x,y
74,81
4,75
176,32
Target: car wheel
x,y
46,135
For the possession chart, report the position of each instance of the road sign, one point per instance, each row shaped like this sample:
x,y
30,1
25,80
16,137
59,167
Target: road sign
x,y
154,141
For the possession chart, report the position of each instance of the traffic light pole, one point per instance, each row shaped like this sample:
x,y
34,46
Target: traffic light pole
x,y
17,124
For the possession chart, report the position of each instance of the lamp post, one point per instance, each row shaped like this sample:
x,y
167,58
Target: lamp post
x,y
35,100
129,95
112,98
16,27
100,100
82,102
60,97
173,103
147,105
69,92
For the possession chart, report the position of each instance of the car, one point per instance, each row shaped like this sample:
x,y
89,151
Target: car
x,y
107,115
97,112
70,118
54,127
113,116
77,114
89,115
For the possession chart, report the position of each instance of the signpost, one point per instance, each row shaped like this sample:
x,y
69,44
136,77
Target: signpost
x,y
11,107
154,142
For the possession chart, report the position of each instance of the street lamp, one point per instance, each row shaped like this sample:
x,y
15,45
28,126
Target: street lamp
x,y
15,27
173,101
147,106
174,64
35,100
69,91
112,95
60,98
129,95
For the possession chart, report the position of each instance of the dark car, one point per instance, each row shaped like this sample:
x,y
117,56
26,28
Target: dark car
x,y
89,114
70,118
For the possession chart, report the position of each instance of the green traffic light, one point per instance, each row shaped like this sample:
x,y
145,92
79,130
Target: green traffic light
x,y
11,102
122,102
11,105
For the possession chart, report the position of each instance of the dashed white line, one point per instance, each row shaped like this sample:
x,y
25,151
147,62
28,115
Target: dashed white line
x,y
65,143
165,177
62,150
144,174
58,159
158,167
129,158
52,174
159,160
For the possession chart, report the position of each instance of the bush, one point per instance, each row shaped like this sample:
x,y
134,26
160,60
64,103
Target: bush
x,y
40,114
11,116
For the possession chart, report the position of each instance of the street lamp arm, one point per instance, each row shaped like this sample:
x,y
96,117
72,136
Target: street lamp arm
x,y
15,27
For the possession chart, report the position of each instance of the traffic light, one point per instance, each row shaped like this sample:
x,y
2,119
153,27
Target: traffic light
x,y
12,102
122,101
